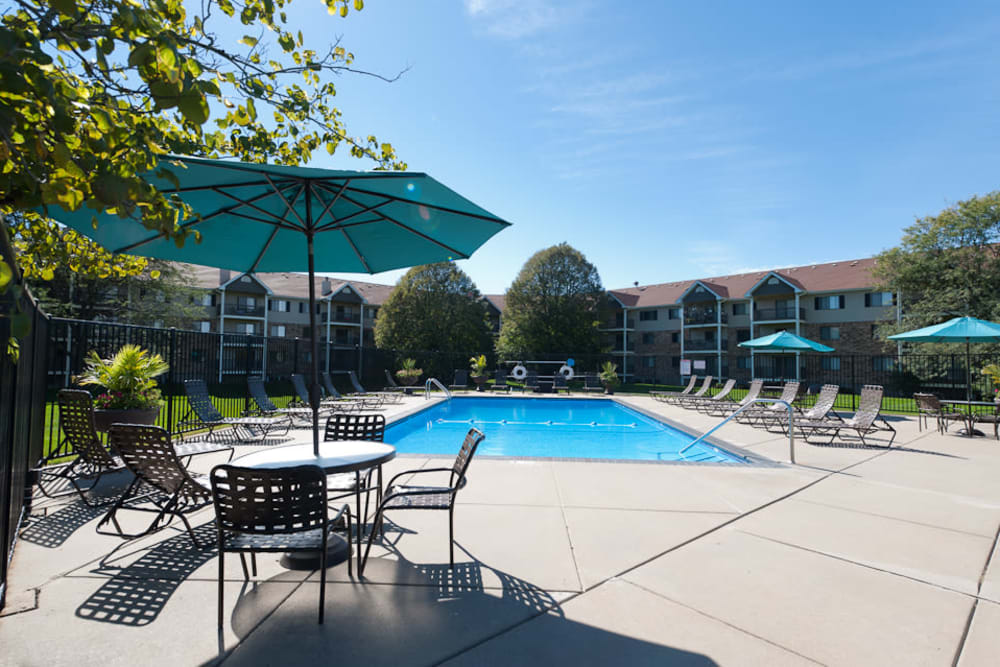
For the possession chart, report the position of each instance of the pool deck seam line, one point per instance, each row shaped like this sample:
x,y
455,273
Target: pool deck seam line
x,y
893,518
975,603
569,535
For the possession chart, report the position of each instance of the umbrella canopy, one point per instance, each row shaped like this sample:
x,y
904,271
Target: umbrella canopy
x,y
956,330
784,341
260,217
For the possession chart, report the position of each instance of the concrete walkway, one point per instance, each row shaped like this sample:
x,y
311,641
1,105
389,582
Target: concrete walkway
x,y
855,556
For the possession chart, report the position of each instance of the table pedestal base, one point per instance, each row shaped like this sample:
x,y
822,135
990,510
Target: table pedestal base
x,y
337,551
970,434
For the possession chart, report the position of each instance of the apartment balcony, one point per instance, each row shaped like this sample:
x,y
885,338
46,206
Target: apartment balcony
x,y
619,324
705,345
341,318
703,317
778,314
236,310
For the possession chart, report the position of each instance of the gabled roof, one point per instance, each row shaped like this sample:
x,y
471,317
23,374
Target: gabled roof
x,y
715,288
498,301
791,282
295,285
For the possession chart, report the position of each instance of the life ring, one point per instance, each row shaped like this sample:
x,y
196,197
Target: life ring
x,y
566,372
519,372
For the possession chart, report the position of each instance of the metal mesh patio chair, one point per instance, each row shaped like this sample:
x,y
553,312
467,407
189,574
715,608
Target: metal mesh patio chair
x,y
991,418
691,399
662,396
461,380
273,510
202,413
409,497
500,381
726,408
530,381
148,452
592,383
864,421
559,382
929,406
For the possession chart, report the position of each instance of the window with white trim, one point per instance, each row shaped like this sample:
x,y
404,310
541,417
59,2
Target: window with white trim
x,y
278,330
829,333
879,299
831,363
831,302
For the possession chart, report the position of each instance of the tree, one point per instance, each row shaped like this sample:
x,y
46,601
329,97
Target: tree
x,y
435,307
95,94
555,305
947,265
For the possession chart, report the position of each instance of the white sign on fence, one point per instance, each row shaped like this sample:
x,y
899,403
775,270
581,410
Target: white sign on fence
x,y
699,364
685,367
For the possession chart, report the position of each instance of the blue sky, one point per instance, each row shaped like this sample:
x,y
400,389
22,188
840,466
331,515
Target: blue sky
x,y
679,140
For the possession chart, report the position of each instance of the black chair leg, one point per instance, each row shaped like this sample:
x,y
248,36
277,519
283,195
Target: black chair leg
x,y
243,562
451,535
253,562
222,578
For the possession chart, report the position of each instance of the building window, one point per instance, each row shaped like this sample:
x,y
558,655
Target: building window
x,y
675,337
282,306
675,362
203,327
742,335
883,363
208,299
743,363
875,332
831,363
246,328
879,299
829,333
302,307
740,308
674,314
244,279
647,315
649,362
832,302
278,330
648,338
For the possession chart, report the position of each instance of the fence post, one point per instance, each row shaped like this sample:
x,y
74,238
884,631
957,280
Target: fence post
x,y
854,383
171,361
246,376
295,357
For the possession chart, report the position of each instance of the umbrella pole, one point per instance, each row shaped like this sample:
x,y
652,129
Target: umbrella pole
x,y
314,385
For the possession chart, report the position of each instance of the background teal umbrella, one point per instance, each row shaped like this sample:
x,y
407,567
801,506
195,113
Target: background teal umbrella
x,y
784,341
956,330
260,217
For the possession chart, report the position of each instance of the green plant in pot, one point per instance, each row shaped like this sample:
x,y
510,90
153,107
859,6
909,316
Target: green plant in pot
x,y
993,371
609,377
130,395
479,372
409,373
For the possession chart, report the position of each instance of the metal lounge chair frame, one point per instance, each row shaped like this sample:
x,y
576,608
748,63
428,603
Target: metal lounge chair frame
x,y
864,421
758,414
500,381
335,399
207,416
392,385
461,379
273,510
148,452
685,399
662,396
428,497
705,402
267,408
387,396
326,407
718,409
822,409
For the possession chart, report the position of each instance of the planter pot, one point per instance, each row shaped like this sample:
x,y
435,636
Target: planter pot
x,y
103,419
409,380
609,389
480,380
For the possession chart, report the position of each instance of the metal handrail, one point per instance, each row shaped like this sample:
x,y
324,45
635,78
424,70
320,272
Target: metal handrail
x,y
791,424
435,381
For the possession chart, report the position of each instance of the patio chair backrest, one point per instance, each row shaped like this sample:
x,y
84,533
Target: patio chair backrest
x,y
788,393
356,384
464,458
299,385
258,392
726,388
201,402
690,385
559,380
149,454
76,417
461,378
824,401
328,384
591,381
531,379
927,403
501,378
703,389
343,426
269,500
753,392
869,405
391,380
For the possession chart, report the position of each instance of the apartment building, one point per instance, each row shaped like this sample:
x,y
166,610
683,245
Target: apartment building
x,y
669,330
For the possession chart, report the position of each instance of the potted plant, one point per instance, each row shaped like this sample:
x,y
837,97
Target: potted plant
x,y
993,371
409,373
130,395
479,374
609,377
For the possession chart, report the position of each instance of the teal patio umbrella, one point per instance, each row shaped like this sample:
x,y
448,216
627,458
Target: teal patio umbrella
x,y
956,330
261,217
784,341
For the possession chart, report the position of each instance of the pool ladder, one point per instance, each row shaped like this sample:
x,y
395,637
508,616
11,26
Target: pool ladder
x,y
791,424
432,382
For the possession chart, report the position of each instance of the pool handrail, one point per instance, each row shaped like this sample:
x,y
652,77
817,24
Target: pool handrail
x,y
791,424
435,381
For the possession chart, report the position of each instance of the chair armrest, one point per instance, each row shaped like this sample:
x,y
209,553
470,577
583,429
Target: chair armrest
x,y
415,472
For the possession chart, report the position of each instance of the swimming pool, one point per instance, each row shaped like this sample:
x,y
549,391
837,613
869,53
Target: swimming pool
x,y
548,427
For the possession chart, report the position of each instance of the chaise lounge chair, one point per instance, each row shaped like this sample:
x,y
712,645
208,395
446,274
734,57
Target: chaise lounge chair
x,y
717,410
388,396
862,423
695,403
326,406
662,396
500,381
348,403
461,380
758,414
203,414
821,410
685,400
391,384
267,408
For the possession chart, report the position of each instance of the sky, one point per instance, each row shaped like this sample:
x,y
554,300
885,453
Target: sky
x,y
670,140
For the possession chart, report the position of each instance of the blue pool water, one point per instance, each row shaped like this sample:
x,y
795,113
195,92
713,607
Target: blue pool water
x,y
548,427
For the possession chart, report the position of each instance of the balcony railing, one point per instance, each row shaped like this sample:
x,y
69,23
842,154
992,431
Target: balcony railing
x,y
348,318
245,311
696,345
703,317
780,313
619,323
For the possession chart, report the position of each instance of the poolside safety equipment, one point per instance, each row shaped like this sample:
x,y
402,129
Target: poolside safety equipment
x,y
519,372
263,217
566,371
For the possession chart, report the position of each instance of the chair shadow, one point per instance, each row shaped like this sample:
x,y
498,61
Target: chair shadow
x,y
66,513
136,593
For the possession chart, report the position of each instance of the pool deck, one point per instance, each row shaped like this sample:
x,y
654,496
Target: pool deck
x,y
855,556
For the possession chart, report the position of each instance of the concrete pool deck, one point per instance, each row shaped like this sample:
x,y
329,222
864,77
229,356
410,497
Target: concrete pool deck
x,y
855,556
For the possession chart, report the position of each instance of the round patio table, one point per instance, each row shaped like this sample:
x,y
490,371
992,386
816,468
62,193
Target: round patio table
x,y
335,456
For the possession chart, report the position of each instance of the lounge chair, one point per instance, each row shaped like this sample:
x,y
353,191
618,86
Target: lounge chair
x,y
388,396
559,382
592,383
500,381
326,406
862,423
461,380
406,497
687,399
759,413
991,418
391,384
695,403
663,395
267,408
148,452
273,510
347,403
821,409
929,405
203,414
530,382
719,410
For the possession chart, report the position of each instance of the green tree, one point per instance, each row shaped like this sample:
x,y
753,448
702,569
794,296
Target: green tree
x,y
555,305
435,308
95,94
946,265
